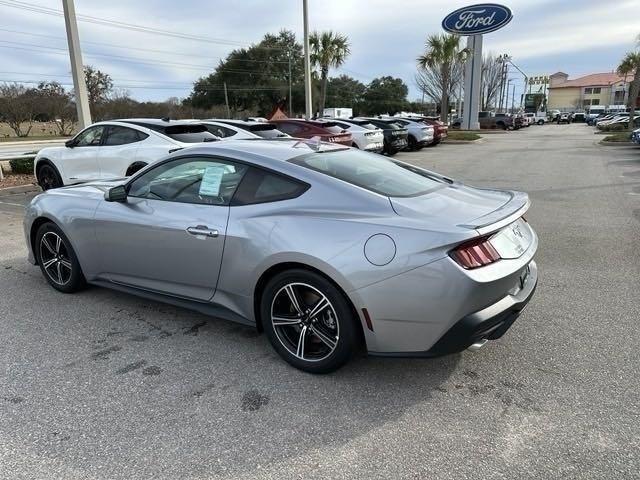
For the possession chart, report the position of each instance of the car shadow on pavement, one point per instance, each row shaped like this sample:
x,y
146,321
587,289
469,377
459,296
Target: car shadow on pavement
x,y
194,384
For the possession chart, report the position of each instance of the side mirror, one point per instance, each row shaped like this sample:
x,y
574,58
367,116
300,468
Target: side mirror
x,y
116,194
70,143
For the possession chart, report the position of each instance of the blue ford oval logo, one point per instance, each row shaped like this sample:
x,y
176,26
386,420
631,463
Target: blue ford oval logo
x,y
477,19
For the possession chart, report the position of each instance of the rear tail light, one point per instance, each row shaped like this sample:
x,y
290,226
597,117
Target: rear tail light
x,y
475,253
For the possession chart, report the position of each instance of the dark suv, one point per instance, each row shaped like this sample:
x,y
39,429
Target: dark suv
x,y
396,137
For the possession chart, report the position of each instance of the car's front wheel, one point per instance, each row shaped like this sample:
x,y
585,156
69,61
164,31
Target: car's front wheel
x,y
57,259
48,177
308,321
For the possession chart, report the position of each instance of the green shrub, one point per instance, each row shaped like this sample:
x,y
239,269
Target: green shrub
x,y
21,165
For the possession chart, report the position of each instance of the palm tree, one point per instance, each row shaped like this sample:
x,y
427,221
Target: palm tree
x,y
631,64
443,52
327,49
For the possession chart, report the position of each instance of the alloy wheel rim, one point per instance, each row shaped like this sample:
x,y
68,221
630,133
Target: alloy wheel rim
x,y
55,260
305,322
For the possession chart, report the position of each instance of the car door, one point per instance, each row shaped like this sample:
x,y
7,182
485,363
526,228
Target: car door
x,y
118,150
169,234
80,161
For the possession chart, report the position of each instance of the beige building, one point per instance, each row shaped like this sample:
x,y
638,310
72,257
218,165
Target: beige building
x,y
605,89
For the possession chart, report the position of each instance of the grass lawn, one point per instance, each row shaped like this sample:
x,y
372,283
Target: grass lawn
x,y
459,135
618,137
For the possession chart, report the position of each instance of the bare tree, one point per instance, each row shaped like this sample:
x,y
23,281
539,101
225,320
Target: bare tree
x,y
55,104
430,81
490,86
17,107
99,85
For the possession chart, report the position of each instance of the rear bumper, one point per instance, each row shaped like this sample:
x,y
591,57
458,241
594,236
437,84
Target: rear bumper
x,y
489,323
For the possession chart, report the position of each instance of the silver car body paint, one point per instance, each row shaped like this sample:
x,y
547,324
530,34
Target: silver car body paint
x,y
413,298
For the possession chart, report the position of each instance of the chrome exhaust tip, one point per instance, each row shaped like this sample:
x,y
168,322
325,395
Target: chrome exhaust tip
x,y
477,346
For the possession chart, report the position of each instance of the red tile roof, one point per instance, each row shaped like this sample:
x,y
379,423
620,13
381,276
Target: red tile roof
x,y
593,80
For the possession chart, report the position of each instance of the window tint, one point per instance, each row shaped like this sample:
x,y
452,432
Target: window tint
x,y
91,137
371,171
220,131
199,180
271,132
260,186
290,128
122,135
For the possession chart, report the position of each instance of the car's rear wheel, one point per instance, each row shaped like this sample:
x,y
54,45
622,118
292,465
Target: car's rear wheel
x,y
57,259
134,167
48,177
308,321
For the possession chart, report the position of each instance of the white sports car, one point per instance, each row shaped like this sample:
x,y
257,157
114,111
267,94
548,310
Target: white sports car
x,y
115,149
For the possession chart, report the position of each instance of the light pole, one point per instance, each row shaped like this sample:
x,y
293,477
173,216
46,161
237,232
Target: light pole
x,y
75,55
307,61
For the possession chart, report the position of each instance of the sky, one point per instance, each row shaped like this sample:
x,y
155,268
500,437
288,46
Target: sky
x,y
577,37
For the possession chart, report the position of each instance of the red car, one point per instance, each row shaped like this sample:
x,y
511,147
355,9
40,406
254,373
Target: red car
x,y
326,131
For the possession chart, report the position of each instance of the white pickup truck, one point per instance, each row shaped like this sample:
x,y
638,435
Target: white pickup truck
x,y
539,117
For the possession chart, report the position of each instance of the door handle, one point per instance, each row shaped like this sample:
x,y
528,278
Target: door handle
x,y
203,230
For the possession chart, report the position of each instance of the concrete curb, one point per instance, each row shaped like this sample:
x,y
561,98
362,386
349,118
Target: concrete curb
x,y
617,144
462,142
20,189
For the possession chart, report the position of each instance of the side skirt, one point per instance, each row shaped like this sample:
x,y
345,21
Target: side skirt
x,y
206,308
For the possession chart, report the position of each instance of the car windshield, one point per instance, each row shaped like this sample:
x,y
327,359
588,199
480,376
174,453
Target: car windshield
x,y
372,172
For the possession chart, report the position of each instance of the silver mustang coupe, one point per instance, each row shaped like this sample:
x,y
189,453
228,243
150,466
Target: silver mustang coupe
x,y
326,249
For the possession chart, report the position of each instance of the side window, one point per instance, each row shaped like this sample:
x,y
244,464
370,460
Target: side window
x,y
220,131
91,137
201,180
260,186
117,135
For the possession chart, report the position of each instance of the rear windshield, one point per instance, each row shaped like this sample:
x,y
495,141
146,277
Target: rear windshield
x,y
371,171
364,124
333,128
185,133
189,133
264,130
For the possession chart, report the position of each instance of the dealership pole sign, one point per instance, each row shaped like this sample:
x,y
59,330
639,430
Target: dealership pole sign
x,y
473,22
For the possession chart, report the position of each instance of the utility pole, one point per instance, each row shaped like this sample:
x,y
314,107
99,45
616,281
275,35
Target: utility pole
x,y
290,97
77,70
307,61
226,100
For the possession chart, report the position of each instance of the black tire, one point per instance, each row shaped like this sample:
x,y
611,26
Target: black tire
x,y
412,143
335,321
388,149
48,177
540,122
134,167
502,125
64,273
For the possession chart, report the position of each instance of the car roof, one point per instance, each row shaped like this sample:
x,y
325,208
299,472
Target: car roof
x,y
154,121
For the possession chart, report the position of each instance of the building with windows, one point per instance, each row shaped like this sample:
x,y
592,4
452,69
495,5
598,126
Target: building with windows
x,y
597,89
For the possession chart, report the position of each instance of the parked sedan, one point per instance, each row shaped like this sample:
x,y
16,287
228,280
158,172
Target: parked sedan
x,y
395,135
440,130
254,128
419,135
325,131
365,135
114,149
635,136
326,249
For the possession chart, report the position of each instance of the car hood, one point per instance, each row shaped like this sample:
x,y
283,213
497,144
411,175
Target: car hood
x,y
462,206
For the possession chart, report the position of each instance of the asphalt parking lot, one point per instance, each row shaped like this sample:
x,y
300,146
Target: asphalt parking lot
x,y
108,386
